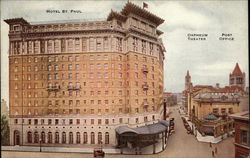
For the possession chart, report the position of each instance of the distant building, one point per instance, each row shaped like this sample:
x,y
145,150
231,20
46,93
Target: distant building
x,y
188,82
242,134
4,108
237,77
170,98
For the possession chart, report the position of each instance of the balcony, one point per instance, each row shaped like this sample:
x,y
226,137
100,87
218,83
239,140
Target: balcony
x,y
53,88
74,88
145,69
145,86
145,104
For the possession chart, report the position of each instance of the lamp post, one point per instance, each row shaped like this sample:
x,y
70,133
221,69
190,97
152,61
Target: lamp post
x,y
40,140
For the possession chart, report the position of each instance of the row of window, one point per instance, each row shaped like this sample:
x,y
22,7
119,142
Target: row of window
x,y
77,67
78,121
78,58
223,110
78,102
55,138
78,111
99,84
91,75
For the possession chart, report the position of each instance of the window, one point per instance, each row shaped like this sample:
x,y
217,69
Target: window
x,y
105,57
99,138
106,66
70,121
106,138
85,138
223,111
36,137
56,121
49,137
63,137
56,137
92,138
120,120
43,137
106,121
29,137
70,137
29,121
35,121
78,139
244,137
215,110
49,121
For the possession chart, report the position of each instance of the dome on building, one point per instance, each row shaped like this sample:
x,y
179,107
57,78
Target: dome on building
x,y
210,117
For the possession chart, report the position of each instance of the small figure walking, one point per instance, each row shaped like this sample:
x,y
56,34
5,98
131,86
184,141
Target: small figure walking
x,y
210,144
213,153
215,150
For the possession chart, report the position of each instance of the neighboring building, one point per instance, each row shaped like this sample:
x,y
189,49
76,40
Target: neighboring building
x,y
242,134
170,98
209,111
237,77
76,82
4,108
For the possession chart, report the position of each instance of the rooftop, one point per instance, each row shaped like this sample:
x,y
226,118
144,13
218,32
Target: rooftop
x,y
155,128
237,71
241,116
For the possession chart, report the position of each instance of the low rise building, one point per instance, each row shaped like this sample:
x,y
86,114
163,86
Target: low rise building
x,y
209,112
242,134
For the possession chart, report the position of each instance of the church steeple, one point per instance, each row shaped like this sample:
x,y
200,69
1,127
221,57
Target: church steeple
x,y
237,77
187,80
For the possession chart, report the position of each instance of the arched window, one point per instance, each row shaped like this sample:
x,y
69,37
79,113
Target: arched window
x,y
29,137
99,138
78,139
49,137
70,138
43,137
56,137
92,138
85,138
36,137
107,138
63,137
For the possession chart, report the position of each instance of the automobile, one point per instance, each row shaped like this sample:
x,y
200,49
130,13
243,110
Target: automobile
x,y
99,153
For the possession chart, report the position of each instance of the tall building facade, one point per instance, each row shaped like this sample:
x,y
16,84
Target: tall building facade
x,y
76,82
237,77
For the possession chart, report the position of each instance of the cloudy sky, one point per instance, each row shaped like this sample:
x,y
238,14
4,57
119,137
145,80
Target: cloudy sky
x,y
209,61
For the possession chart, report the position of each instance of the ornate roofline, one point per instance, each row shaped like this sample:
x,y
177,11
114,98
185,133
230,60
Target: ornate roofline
x,y
116,15
16,20
132,8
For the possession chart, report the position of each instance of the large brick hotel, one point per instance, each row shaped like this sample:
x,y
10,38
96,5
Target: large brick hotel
x,y
77,82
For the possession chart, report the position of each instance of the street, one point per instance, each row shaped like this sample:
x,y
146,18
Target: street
x,y
180,145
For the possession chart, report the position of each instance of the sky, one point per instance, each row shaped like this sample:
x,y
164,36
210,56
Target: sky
x,y
209,61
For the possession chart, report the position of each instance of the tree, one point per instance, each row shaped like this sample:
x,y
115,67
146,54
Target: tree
x,y
5,131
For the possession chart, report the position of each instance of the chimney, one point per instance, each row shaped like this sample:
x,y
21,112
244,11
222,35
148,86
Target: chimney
x,y
217,85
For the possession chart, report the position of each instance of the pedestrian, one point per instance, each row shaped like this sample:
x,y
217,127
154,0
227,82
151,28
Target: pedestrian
x,y
215,150
210,145
213,153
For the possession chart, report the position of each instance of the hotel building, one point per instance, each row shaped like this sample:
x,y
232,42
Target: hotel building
x,y
76,82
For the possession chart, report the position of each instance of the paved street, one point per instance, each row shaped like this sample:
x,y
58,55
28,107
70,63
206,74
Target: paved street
x,y
180,145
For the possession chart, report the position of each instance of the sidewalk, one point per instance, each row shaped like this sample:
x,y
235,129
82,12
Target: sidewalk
x,y
58,149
